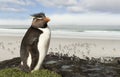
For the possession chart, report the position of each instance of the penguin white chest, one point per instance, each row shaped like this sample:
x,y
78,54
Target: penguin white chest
x,y
44,40
43,45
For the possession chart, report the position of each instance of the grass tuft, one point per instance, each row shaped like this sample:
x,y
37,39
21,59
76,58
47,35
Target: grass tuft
x,y
14,72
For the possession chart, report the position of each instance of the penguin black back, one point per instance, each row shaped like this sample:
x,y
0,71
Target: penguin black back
x,y
29,43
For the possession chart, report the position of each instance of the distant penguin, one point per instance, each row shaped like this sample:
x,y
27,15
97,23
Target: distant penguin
x,y
35,43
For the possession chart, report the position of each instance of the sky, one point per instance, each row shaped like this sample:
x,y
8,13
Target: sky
x,y
61,12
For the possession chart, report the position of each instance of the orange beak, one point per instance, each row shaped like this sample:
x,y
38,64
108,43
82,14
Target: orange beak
x,y
47,19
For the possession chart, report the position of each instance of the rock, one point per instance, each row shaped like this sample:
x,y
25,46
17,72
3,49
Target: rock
x,y
10,63
72,66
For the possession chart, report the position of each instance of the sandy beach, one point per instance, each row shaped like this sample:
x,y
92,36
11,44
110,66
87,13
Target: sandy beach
x,y
78,45
82,47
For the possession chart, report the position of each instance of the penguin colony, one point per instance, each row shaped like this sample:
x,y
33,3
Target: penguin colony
x,y
35,43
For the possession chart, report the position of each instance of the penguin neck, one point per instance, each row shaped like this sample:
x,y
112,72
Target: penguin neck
x,y
45,26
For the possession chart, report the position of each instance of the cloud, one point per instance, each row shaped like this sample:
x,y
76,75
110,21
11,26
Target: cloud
x,y
58,4
74,6
14,5
71,20
15,22
84,19
111,6
17,2
13,9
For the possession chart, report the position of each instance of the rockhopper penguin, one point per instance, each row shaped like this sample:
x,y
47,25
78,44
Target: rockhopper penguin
x,y
35,43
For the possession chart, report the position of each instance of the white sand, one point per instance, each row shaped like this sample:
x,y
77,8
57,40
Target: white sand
x,y
81,47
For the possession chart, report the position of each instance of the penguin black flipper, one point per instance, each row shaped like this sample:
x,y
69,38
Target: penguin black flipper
x,y
28,45
35,54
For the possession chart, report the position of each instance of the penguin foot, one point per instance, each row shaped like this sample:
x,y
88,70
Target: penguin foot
x,y
24,68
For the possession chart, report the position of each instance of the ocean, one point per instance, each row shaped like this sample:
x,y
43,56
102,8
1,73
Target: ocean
x,y
76,31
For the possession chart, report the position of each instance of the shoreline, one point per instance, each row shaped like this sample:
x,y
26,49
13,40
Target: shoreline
x,y
100,35
62,34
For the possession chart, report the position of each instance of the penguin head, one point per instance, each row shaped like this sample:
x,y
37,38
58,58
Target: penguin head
x,y
40,20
